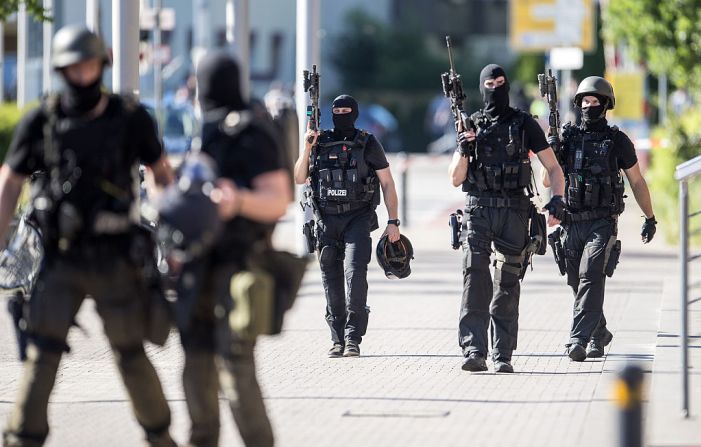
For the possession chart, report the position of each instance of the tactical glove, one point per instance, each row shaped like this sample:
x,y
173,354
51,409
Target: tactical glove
x,y
556,207
464,146
649,229
553,141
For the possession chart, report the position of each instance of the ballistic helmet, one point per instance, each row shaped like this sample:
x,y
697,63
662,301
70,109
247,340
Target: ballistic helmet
x,y
595,85
188,219
73,44
394,258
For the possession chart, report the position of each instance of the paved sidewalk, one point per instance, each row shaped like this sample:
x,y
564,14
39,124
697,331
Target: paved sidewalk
x,y
407,388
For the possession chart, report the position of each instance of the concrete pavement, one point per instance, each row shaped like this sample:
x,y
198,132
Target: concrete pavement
x,y
407,388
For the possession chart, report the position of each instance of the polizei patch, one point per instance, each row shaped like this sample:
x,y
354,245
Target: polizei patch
x,y
337,192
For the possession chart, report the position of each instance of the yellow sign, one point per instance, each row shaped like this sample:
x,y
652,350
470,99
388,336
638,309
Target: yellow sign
x,y
629,89
540,25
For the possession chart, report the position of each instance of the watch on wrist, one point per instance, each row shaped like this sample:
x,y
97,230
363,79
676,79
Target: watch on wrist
x,y
393,222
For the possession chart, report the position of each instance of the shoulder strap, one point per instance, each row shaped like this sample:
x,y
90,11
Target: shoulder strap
x,y
361,139
49,106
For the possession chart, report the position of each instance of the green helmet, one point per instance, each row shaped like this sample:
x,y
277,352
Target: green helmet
x,y
595,85
73,44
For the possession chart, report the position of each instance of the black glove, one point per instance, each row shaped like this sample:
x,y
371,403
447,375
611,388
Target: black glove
x,y
556,207
649,229
464,146
553,141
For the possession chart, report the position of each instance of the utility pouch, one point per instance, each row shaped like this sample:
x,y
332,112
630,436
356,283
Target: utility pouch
x,y
264,292
455,222
252,293
510,171
605,192
309,235
537,231
494,180
555,242
575,191
613,258
524,173
337,175
591,193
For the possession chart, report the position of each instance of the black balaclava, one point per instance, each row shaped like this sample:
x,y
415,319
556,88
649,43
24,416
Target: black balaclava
x,y
78,100
496,100
593,117
344,123
218,83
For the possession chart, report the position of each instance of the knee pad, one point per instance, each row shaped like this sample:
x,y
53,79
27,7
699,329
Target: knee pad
x,y
329,254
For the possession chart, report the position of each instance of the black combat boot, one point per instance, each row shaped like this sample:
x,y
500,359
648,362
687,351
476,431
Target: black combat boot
x,y
336,351
595,349
503,365
576,352
474,362
352,349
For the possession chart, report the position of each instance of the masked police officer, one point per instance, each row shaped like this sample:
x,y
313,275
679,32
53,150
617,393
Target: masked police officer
x,y
495,174
87,144
346,167
586,248
253,191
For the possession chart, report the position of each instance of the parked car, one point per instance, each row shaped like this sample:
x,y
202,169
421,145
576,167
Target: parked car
x,y
179,126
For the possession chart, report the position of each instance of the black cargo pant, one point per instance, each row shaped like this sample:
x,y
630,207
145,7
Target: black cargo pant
x,y
507,229
346,236
118,290
587,247
216,358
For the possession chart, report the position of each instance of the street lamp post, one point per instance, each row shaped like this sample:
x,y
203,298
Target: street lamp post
x,y
125,41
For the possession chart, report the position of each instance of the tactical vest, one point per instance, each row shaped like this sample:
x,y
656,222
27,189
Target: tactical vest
x,y
500,163
593,180
342,180
87,194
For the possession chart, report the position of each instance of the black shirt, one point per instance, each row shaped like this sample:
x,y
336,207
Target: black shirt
x,y
374,153
534,137
241,158
95,163
89,138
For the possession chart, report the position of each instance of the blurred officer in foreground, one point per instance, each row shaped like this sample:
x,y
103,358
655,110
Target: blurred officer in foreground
x,y
252,193
346,168
87,144
586,248
493,167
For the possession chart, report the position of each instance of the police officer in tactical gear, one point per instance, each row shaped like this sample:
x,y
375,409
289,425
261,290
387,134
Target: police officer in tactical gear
x,y
87,144
346,167
592,157
253,191
492,165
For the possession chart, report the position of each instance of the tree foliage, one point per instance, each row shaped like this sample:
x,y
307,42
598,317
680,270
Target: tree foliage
x,y
370,55
664,34
35,8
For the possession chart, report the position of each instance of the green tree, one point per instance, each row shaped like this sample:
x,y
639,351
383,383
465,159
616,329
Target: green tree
x,y
35,8
664,34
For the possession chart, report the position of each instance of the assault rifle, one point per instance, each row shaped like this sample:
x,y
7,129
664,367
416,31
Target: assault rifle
x,y
311,85
548,90
452,89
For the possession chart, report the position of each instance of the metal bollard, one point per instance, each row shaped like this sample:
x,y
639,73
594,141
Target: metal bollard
x,y
404,167
628,392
